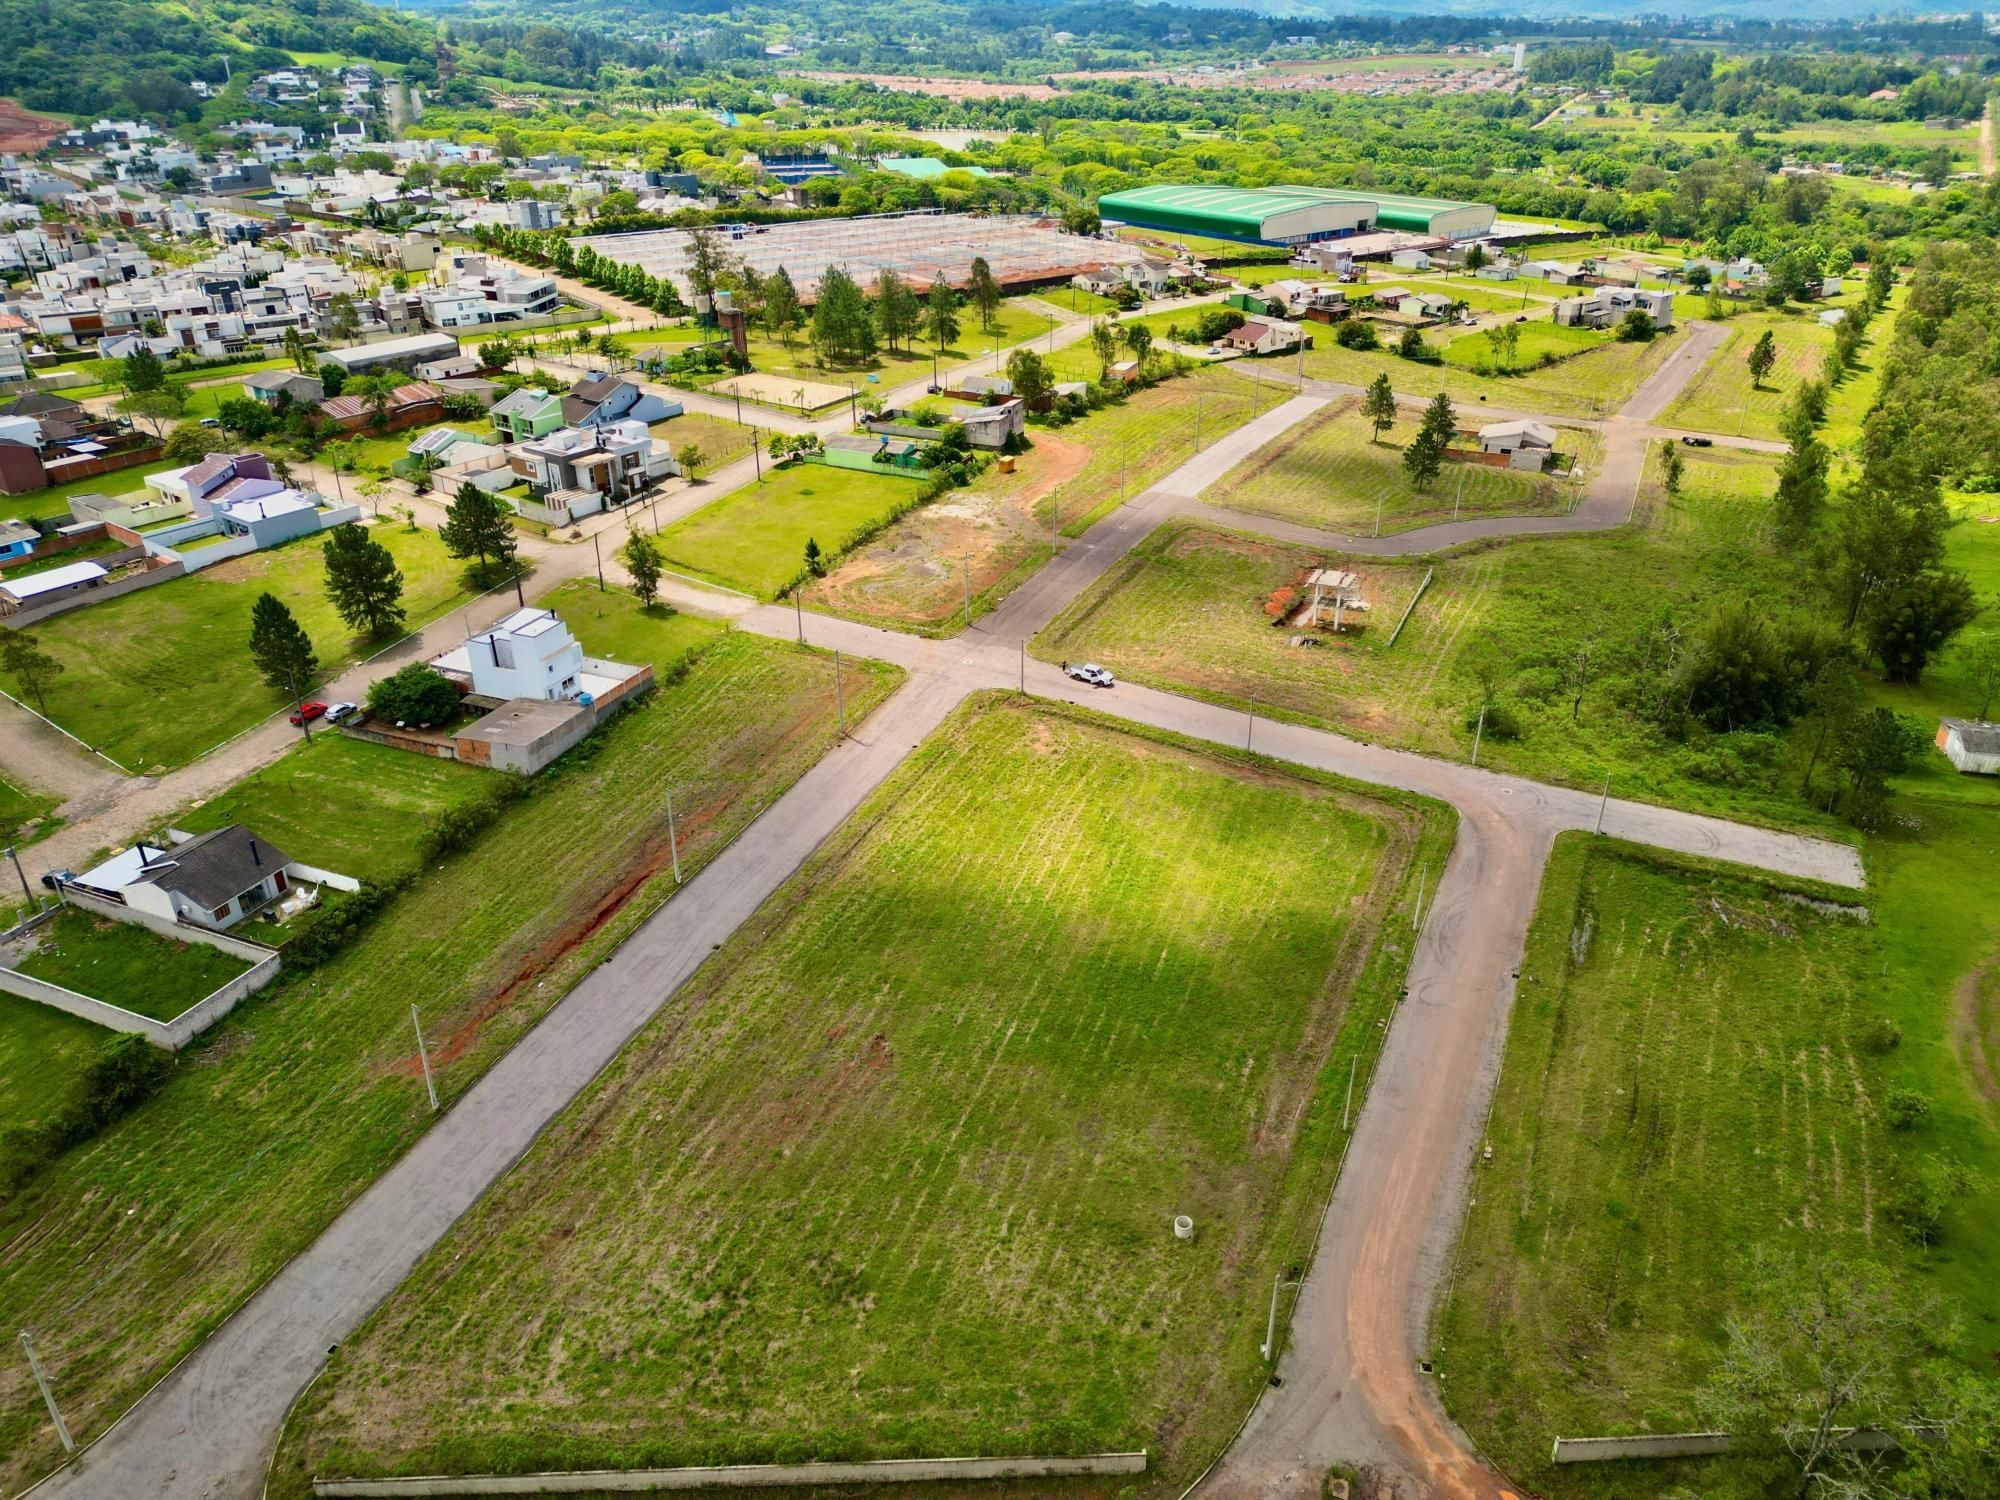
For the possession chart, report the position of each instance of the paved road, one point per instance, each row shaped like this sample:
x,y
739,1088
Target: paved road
x,y
1351,1391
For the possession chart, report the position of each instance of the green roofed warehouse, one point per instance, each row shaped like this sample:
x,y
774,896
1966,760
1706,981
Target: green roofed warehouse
x,y
1291,215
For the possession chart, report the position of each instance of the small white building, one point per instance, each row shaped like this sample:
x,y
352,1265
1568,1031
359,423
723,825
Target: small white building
x,y
1264,336
1510,437
1410,260
212,880
1971,745
530,654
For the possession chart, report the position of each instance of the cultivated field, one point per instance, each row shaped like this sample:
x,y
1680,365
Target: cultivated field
x,y
754,539
959,1074
1330,471
1687,1077
1185,611
1721,397
157,677
284,1111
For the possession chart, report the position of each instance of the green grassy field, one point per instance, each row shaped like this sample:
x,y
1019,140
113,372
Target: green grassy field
x,y
1538,336
157,677
1592,384
960,1074
1011,324
1684,1081
296,1101
755,538
1184,611
1329,471
127,966
344,804
1721,399
43,1055
721,441
21,805
365,454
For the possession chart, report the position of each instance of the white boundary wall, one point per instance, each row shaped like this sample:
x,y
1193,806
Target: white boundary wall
x,y
739,1476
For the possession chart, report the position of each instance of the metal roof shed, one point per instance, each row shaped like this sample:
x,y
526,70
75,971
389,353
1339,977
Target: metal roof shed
x,y
1274,216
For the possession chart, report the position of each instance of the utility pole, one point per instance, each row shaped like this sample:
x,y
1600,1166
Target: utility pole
x,y
48,1396
1378,514
1345,1109
1459,494
1417,916
757,453
839,699
520,598
965,572
1478,733
1024,666
1250,729
1269,1346
28,895
799,610
1124,447
673,838
1601,801
424,1057
597,545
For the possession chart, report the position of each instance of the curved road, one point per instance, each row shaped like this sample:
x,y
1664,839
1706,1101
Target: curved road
x,y
1351,1387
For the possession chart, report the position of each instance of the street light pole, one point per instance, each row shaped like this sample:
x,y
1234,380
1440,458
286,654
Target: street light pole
x,y
673,838
27,894
424,1057
839,697
597,545
48,1396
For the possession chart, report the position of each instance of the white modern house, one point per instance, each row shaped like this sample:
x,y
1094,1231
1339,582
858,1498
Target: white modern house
x,y
1608,305
1971,745
211,880
530,654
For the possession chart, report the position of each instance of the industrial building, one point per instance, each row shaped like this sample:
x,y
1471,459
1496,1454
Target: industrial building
x,y
1292,215
922,247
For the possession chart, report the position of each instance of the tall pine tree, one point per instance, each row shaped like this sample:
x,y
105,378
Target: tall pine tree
x,y
280,647
363,581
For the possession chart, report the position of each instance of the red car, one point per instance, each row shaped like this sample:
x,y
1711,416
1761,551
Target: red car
x,y
306,712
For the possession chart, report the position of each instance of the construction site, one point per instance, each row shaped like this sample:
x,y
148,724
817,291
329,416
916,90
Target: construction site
x,y
922,247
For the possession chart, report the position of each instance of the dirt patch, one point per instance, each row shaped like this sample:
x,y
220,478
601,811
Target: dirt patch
x,y
1975,1015
918,570
941,88
24,131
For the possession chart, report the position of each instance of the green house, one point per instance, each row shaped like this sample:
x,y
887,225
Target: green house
x,y
527,414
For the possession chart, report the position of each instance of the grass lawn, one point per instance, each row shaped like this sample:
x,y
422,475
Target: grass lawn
x,y
1721,398
955,1080
755,537
54,501
302,1096
1594,383
125,965
1184,611
1538,336
21,805
157,677
373,455
1330,471
343,804
1012,323
1685,1081
721,441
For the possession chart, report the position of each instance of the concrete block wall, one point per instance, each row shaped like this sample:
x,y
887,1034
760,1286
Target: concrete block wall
x,y
741,1476
26,618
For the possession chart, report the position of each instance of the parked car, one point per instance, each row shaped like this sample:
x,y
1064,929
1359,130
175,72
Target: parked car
x,y
1091,673
1698,442
306,712
342,713
53,879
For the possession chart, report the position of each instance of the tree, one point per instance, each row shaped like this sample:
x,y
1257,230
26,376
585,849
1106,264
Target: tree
x,y
898,313
1356,333
642,561
1030,374
815,559
1422,460
1503,339
1822,1348
1983,671
332,378
34,671
1763,355
1672,468
343,320
479,526
841,326
1831,701
246,418
983,292
1637,327
296,351
363,581
280,647
1139,339
1379,406
1802,489
141,371
1476,258
1875,745
1440,421
415,694
941,316
156,408
190,443
783,316
1576,672
375,391
1916,617
706,262
691,458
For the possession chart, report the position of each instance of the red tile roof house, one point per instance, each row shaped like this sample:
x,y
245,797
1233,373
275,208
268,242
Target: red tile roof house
x,y
417,404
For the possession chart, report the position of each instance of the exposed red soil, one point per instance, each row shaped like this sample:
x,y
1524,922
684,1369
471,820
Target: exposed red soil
x,y
24,131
